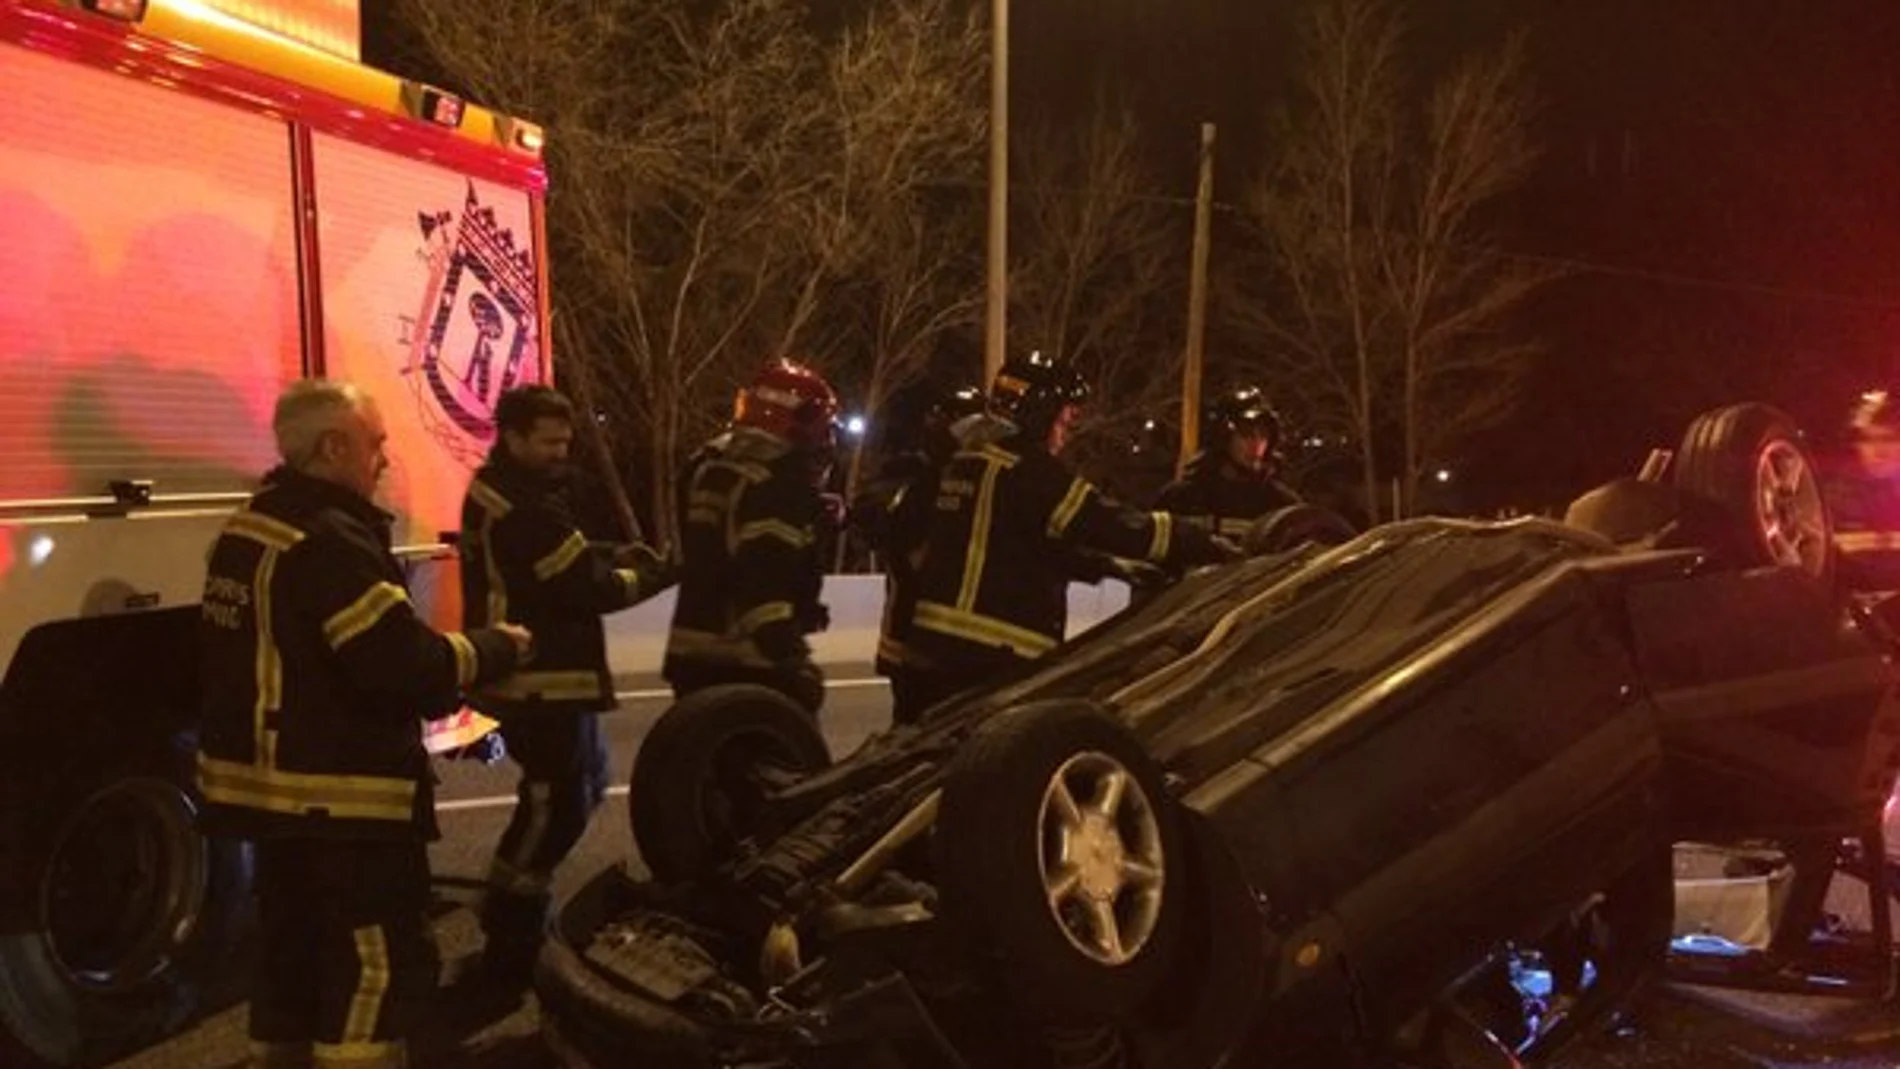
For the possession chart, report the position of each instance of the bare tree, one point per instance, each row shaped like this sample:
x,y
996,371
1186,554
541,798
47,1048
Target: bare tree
x,y
1316,207
1097,260
889,257
712,164
927,287
905,119
1381,294
542,59
1449,288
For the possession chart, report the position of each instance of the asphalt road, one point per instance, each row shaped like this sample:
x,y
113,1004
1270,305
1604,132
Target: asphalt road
x,y
1672,1027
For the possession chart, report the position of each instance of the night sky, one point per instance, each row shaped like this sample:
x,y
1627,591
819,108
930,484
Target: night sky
x,y
1724,173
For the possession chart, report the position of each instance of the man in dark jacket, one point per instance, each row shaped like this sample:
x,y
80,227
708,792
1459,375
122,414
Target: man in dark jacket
x,y
894,512
525,559
318,674
1231,483
1011,524
751,577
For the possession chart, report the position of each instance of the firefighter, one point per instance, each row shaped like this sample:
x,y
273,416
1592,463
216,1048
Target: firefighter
x,y
752,576
318,674
1009,526
524,559
1863,487
1231,483
894,513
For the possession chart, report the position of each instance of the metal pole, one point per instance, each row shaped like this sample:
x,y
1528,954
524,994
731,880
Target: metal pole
x,y
995,317
1197,306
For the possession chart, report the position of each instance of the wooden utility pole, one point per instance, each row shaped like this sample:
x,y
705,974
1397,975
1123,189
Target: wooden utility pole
x,y
1197,306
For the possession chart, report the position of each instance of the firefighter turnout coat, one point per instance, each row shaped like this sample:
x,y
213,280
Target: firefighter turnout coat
x,y
1215,495
525,561
893,511
1009,523
318,672
751,578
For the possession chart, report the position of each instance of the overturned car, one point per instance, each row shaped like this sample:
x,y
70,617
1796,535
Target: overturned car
x,y
1405,799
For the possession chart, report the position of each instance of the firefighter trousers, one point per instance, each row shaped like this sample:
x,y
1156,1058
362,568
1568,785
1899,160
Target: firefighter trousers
x,y
563,763
346,963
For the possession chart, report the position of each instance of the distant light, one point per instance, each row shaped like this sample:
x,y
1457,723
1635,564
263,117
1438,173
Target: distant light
x,y
854,426
1444,475
1148,425
41,548
1314,443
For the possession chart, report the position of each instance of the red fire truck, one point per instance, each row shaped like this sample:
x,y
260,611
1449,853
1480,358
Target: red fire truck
x,y
201,200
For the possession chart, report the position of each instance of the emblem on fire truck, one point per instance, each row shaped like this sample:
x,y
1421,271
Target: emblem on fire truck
x,y
478,329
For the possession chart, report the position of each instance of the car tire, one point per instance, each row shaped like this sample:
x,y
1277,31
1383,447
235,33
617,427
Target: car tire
x,y
694,794
135,914
1749,463
1069,943
1294,526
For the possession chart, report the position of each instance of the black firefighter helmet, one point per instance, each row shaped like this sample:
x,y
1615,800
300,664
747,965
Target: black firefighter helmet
x,y
944,408
1241,410
944,405
1031,391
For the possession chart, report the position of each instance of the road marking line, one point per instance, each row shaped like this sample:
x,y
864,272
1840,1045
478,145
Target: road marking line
x,y
830,684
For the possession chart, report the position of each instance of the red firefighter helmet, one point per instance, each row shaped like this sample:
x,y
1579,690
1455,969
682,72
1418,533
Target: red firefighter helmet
x,y
792,401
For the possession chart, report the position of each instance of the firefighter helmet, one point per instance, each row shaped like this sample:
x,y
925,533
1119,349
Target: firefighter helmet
x,y
790,400
1031,391
1241,410
956,403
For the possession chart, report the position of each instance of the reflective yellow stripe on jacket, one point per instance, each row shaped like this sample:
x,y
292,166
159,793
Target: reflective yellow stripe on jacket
x,y
467,661
548,686
302,794
708,646
983,630
276,538
1227,527
974,558
494,507
363,613
772,612
1164,534
386,1054
778,529
1069,507
562,558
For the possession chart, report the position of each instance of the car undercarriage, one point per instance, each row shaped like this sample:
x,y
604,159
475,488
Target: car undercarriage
x,y
1410,798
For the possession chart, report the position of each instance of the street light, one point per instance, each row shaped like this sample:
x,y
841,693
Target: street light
x,y
994,320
